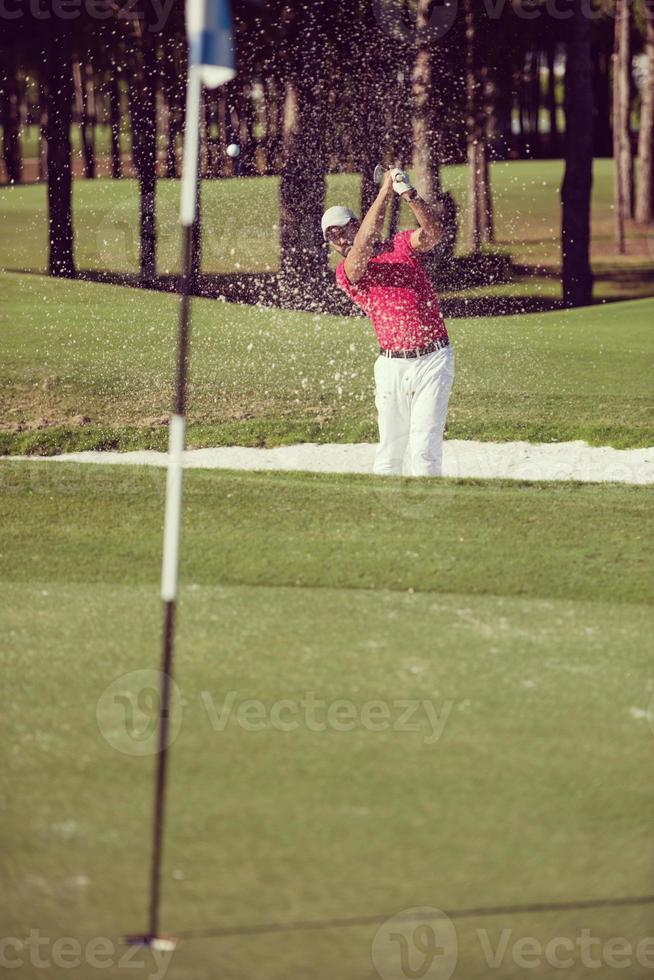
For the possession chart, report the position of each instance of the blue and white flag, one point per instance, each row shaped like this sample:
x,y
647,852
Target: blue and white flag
x,y
211,42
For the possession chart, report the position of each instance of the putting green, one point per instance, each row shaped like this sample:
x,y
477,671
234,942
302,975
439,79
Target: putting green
x,y
511,617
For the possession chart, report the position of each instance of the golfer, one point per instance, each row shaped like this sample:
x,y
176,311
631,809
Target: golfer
x,y
415,368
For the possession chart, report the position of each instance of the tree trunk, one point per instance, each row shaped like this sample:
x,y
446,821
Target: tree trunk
x,y
11,119
233,124
273,137
222,129
88,121
144,144
214,144
426,143
552,107
429,80
532,101
43,129
59,107
173,75
302,185
170,159
622,157
578,179
504,108
245,140
645,188
115,113
302,189
602,89
479,199
373,94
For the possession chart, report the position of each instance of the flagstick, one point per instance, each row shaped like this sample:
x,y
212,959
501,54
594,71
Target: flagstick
x,y
172,522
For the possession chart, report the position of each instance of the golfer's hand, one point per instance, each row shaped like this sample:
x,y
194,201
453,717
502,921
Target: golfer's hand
x,y
400,179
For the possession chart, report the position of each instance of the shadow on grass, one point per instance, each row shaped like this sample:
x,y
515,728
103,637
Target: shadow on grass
x,y
321,294
269,289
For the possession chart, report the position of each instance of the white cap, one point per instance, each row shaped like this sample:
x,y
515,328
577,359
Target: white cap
x,y
336,217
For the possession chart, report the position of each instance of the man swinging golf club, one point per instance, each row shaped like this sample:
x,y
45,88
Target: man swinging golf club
x,y
415,368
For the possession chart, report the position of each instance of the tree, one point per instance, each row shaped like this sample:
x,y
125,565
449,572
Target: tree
x,y
645,185
143,114
302,185
431,86
622,156
480,209
427,153
115,119
374,82
10,116
85,105
59,76
578,178
602,59
173,78
43,127
552,102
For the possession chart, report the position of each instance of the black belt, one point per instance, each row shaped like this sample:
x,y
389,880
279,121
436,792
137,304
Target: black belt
x,y
416,351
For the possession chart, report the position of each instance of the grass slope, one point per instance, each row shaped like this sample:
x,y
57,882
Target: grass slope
x,y
517,612
91,366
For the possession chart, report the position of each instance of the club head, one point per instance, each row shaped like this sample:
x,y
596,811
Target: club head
x,y
378,174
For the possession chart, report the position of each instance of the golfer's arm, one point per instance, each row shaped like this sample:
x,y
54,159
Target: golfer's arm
x,y
429,231
368,233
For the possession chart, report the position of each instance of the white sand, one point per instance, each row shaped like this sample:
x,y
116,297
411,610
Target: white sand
x,y
512,460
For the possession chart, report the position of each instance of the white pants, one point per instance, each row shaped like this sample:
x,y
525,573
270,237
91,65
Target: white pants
x,y
411,395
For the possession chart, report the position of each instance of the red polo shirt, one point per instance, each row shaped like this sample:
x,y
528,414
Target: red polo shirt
x,y
397,295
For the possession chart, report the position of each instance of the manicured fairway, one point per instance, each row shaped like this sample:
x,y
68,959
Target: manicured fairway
x,y
86,365
241,226
520,613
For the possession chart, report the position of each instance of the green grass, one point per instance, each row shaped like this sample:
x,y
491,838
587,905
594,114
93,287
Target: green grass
x,y
241,218
517,611
265,377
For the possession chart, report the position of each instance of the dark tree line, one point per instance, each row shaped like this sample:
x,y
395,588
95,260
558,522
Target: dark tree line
x,y
336,85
